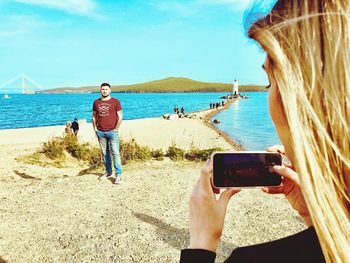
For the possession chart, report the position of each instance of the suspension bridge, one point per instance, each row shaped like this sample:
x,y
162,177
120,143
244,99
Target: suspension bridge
x,y
20,84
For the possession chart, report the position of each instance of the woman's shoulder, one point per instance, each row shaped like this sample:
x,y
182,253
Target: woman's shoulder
x,y
301,247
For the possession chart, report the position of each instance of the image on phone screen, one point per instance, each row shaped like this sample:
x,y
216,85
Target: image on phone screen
x,y
246,169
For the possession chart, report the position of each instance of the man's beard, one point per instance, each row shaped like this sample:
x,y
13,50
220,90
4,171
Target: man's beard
x,y
105,96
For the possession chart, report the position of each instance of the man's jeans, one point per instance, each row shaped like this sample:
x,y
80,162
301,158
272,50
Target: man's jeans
x,y
109,143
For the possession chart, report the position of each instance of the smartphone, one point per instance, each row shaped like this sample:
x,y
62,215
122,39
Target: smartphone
x,y
245,169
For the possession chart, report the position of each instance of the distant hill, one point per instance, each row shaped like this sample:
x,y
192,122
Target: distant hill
x,y
172,84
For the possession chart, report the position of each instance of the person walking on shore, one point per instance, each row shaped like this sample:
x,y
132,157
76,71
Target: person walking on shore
x,y
106,119
75,127
68,127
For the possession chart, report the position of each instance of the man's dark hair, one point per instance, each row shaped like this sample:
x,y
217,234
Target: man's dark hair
x,y
105,84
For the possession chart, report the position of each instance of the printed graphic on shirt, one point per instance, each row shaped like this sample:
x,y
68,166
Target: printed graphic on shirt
x,y
103,109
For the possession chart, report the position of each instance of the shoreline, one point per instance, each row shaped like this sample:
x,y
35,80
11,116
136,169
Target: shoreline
x,y
34,136
225,136
156,133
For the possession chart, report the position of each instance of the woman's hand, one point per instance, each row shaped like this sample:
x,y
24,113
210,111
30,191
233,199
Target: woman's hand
x,y
207,214
290,188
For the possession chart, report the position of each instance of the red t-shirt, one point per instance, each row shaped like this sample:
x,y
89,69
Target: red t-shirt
x,y
106,113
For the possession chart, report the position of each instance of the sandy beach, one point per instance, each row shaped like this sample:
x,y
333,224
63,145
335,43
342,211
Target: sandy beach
x,y
153,132
51,214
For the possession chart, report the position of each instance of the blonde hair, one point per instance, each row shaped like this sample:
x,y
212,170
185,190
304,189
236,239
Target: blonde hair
x,y
308,47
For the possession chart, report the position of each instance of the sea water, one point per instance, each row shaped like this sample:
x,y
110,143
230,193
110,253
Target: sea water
x,y
246,121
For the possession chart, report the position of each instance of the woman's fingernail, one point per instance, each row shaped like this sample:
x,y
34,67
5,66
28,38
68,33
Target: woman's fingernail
x,y
277,167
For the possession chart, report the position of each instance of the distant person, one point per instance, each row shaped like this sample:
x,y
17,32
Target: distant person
x,y
211,105
75,127
68,127
222,103
182,110
106,119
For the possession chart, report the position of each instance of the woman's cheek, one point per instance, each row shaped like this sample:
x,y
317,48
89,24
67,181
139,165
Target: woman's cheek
x,y
273,106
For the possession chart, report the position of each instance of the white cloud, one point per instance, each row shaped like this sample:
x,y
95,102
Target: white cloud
x,y
18,24
78,7
189,8
184,9
237,5
14,25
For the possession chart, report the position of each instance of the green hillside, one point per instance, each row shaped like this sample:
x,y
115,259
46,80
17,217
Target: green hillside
x,y
171,84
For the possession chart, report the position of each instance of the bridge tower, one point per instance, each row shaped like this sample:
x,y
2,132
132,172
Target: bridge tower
x,y
28,86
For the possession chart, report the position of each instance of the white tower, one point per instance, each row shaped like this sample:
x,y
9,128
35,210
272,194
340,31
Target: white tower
x,y
27,84
235,87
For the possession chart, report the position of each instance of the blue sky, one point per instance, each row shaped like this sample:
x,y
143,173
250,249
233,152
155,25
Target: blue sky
x,y
68,43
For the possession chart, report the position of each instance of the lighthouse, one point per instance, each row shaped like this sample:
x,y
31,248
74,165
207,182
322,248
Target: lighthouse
x,y
235,87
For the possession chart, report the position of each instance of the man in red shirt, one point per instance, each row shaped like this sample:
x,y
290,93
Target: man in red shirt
x,y
106,119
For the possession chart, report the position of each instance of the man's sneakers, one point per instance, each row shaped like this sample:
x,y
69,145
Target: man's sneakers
x,y
118,179
105,176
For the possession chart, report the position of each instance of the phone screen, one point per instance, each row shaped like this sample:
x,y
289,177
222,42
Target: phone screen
x,y
245,169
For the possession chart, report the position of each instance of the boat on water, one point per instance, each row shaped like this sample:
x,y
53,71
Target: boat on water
x,y
6,96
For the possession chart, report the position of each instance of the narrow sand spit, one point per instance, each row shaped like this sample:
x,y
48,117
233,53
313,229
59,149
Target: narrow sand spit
x,y
50,214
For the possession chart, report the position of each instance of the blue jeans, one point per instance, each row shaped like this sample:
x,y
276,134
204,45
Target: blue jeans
x,y
109,143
